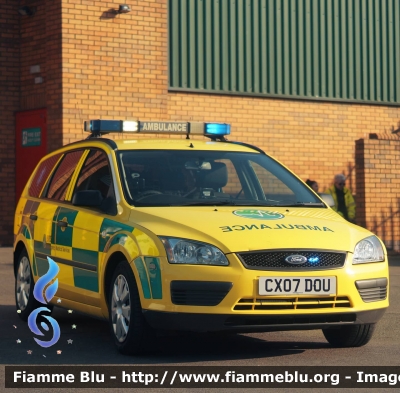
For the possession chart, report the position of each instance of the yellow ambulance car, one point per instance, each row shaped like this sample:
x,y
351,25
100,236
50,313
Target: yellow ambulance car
x,y
196,235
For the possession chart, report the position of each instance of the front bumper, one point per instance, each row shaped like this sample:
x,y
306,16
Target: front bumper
x,y
234,290
246,323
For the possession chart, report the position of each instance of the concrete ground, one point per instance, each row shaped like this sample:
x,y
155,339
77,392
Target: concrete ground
x,y
293,348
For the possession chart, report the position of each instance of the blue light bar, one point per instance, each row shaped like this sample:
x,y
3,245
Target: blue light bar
x,y
105,126
216,129
213,130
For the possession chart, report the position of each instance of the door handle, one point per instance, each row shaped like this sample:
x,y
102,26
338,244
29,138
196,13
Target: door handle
x,y
33,217
62,224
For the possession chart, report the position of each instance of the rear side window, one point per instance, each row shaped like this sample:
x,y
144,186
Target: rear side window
x,y
41,175
59,183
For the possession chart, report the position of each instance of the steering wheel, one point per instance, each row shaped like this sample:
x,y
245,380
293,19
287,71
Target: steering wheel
x,y
148,193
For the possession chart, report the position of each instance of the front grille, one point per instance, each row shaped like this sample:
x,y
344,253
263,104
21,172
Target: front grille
x,y
275,260
292,303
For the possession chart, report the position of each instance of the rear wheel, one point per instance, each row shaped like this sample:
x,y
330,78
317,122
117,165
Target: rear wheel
x,y
128,326
350,336
24,285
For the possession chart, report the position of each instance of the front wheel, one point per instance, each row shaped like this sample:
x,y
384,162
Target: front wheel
x,y
349,336
128,326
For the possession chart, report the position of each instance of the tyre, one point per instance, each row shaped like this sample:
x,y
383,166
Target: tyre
x,y
131,333
349,336
24,285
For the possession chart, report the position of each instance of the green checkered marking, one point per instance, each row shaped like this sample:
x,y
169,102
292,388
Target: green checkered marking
x,y
43,266
86,280
83,278
143,277
34,265
26,232
40,247
54,226
40,265
64,234
111,227
85,256
153,268
118,239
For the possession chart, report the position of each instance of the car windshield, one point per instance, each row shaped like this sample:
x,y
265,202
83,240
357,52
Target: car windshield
x,y
201,178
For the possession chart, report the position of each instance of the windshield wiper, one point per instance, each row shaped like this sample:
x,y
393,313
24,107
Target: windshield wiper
x,y
228,202
306,204
207,203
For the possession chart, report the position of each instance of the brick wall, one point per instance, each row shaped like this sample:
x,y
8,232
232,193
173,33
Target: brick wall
x,y
378,186
26,41
41,41
9,99
99,64
115,66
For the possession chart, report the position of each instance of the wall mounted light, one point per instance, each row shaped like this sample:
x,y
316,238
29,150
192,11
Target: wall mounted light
x,y
123,9
27,11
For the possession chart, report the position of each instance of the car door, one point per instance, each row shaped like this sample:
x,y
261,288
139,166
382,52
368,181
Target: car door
x,y
62,219
88,239
37,217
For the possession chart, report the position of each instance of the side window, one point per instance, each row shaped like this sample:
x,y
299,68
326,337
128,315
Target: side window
x,y
41,175
59,183
96,174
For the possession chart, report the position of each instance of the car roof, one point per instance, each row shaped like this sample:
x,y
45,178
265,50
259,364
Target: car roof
x,y
173,144
162,144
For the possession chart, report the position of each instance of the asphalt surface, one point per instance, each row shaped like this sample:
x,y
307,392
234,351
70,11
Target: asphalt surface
x,y
92,344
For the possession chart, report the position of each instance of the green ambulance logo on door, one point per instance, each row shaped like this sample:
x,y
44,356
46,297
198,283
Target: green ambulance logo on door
x,y
258,214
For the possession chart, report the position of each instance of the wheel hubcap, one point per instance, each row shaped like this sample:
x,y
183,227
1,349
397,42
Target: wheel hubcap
x,y
120,308
23,283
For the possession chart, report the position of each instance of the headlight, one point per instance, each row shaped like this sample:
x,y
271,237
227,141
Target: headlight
x,y
368,250
192,252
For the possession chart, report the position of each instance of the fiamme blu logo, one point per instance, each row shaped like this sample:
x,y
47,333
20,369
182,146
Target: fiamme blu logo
x,y
43,293
258,214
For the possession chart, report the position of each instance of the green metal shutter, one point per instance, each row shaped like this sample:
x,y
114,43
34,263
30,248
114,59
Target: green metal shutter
x,y
345,50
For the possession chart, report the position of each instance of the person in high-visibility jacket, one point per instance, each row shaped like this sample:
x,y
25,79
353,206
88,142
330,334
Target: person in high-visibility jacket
x,y
344,201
